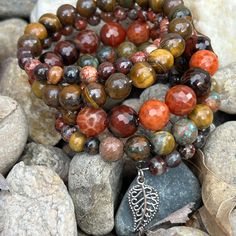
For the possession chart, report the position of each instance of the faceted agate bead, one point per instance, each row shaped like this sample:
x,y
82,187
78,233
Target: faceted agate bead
x,y
138,148
161,60
181,26
88,60
173,159
31,43
77,142
185,131
168,5
66,13
157,166
154,115
163,142
92,121
69,97
106,5
94,94
92,146
212,100
206,60
71,75
51,59
54,75
111,149
106,53
51,23
88,74
202,116
86,8
198,80
142,75
37,88
187,151
36,29
123,121
123,65
105,70
69,117
138,32
68,52
112,34
126,49
118,86
173,43
181,100
180,11
51,95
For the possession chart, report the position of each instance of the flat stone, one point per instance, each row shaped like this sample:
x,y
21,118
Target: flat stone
x,y
45,155
94,186
13,132
177,188
41,118
37,204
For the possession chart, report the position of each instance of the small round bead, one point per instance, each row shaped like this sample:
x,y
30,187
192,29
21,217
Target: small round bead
x,y
80,23
40,72
37,88
138,148
212,100
51,59
133,14
92,146
202,116
154,115
185,131
66,14
24,56
67,131
67,30
187,151
105,70
120,14
106,53
168,5
37,30
88,60
30,67
157,166
126,49
88,74
123,65
200,141
51,95
59,124
56,36
111,149
173,159
51,23
71,75
54,75
94,19
107,16
86,8
106,5
118,86
46,43
77,142
138,57
69,117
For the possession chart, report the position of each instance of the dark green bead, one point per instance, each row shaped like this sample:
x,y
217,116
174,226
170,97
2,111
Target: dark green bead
x,y
88,60
126,49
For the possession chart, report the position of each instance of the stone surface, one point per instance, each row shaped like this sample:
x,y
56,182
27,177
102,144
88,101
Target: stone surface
x,y
177,188
38,204
94,186
13,132
215,19
133,103
45,155
220,152
11,30
14,83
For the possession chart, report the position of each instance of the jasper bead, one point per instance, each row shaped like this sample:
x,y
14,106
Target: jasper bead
x,y
142,75
88,60
77,142
106,53
181,100
157,166
92,146
154,115
71,75
106,5
187,151
123,121
112,34
138,148
51,95
105,70
111,149
86,8
173,159
118,86
168,5
92,121
126,49
88,74
212,100
202,116
51,23
37,30
66,13
123,65
51,59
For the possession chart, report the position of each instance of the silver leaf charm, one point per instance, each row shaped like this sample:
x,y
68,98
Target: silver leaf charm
x,y
144,203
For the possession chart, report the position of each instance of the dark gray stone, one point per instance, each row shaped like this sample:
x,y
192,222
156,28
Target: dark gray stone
x,y
176,188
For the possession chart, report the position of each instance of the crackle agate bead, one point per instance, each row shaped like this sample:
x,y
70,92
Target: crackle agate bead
x,y
88,60
157,166
106,53
106,5
51,95
163,142
123,121
88,74
173,159
185,131
118,86
37,30
111,149
51,59
77,142
173,43
138,148
202,116
112,34
105,70
123,65
66,13
187,152
142,75
181,100
54,75
92,146
71,75
206,60
154,115
70,97
168,5
86,8
126,49
69,117
37,88
212,100
92,121
180,11
51,23
161,60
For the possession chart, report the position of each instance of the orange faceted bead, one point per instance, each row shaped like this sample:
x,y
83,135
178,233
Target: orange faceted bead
x,y
154,115
206,60
181,100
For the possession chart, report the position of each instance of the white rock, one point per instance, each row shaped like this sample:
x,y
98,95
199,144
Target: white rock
x,y
38,204
13,132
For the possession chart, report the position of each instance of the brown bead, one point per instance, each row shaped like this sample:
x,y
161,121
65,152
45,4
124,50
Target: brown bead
x,y
50,95
37,30
54,75
37,88
69,117
66,14
106,5
51,22
51,59
86,8
168,5
156,5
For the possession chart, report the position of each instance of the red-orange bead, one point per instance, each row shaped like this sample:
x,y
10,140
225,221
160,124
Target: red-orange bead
x,y
206,60
154,115
181,100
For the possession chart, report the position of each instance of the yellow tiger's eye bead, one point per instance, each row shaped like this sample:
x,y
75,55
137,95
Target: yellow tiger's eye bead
x,y
77,142
156,5
37,88
142,75
37,30
202,116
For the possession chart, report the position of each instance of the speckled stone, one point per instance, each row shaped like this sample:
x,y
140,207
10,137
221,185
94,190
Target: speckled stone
x,y
176,188
133,103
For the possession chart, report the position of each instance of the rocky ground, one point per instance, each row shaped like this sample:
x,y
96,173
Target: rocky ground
x,y
50,191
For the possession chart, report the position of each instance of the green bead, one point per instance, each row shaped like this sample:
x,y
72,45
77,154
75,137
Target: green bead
x,y
88,60
126,49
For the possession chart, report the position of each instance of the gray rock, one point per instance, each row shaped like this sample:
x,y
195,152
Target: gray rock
x,y
94,186
20,8
45,155
41,118
177,188
133,103
11,30
38,204
13,132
